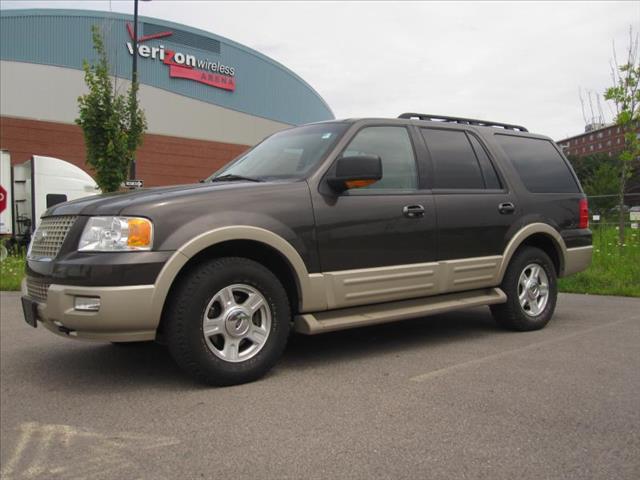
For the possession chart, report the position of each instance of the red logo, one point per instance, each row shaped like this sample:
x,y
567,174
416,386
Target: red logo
x,y
147,37
186,66
3,198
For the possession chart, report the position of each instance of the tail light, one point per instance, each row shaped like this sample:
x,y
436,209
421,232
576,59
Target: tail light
x,y
584,213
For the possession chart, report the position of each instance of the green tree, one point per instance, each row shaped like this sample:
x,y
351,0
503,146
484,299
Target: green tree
x,y
113,124
625,95
603,181
585,166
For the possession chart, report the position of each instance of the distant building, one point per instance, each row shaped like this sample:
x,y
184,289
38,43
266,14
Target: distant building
x,y
206,98
599,138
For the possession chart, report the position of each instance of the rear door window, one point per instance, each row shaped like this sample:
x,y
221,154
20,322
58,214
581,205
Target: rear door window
x,y
540,166
454,161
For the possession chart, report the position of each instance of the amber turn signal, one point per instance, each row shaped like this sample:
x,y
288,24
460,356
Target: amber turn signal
x,y
359,183
140,232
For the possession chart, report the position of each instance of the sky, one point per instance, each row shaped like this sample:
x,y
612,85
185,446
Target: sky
x,y
514,62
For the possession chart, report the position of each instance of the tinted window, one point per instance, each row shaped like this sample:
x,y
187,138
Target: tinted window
x,y
288,154
393,146
488,171
539,164
455,165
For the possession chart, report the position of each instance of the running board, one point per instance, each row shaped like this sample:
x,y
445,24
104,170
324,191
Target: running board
x,y
332,320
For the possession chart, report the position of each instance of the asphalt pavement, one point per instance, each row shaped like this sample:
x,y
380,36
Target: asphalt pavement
x,y
443,397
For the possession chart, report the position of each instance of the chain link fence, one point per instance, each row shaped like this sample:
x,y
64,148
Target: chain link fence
x,y
604,212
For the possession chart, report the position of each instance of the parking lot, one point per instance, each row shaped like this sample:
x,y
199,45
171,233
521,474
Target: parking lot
x,y
448,396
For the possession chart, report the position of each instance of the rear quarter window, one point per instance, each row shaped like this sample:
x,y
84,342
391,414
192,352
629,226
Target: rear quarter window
x,y
541,168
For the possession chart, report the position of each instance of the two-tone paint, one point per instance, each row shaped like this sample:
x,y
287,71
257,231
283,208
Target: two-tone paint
x,y
339,251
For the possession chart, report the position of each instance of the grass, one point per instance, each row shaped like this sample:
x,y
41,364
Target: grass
x,y
614,271
11,272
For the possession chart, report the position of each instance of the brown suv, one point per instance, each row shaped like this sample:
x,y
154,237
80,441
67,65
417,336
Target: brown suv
x,y
318,228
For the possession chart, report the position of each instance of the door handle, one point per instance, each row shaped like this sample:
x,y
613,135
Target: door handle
x,y
413,211
506,208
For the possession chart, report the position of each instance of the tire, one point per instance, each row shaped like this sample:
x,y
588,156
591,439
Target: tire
x,y
243,340
524,310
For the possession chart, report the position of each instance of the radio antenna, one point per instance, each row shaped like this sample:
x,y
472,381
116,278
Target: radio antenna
x,y
584,115
600,110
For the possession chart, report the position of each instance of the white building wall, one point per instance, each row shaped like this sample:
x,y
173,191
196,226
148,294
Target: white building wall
x,y
48,93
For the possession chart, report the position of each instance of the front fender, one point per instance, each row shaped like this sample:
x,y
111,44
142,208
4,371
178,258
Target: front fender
x,y
312,297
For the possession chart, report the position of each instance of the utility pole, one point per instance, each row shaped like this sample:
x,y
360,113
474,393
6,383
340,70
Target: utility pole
x,y
134,79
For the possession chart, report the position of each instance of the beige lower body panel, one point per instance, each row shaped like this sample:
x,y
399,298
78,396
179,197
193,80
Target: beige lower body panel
x,y
329,321
341,299
351,288
577,260
125,314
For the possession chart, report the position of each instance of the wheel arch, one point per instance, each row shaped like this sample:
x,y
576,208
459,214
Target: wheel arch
x,y
540,235
255,243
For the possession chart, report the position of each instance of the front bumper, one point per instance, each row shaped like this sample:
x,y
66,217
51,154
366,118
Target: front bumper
x,y
126,313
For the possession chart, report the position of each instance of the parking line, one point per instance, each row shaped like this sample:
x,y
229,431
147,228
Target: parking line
x,y
459,366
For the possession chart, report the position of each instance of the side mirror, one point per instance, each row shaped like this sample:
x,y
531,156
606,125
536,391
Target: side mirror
x,y
355,172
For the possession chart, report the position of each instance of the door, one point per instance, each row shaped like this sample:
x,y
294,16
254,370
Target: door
x,y
373,242
475,208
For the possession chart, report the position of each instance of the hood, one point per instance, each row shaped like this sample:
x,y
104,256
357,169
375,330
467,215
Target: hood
x,y
138,201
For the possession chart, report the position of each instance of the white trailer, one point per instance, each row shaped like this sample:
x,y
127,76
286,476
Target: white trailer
x,y
35,185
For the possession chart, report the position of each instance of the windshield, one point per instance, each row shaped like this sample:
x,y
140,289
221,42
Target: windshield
x,y
284,155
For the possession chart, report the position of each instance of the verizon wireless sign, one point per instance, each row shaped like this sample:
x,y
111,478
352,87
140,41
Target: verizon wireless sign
x,y
183,65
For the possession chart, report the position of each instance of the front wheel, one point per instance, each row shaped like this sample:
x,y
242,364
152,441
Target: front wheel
x,y
531,287
228,321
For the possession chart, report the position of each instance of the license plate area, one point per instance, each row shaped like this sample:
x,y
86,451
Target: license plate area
x,y
30,310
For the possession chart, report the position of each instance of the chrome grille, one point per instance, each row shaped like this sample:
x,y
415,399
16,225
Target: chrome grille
x,y
37,289
49,236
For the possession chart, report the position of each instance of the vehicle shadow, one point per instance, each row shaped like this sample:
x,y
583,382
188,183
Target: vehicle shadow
x,y
403,336
103,367
96,367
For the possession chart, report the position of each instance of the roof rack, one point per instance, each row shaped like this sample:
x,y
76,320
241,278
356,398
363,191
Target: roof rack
x,y
465,121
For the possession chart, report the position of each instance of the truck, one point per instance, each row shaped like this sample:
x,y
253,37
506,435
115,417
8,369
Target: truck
x,y
32,187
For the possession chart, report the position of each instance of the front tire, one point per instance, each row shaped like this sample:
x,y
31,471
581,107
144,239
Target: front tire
x,y
228,321
530,284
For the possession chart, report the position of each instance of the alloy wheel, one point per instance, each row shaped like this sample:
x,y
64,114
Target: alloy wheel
x,y
236,323
533,289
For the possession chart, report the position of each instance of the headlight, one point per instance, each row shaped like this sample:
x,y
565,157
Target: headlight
x,y
116,234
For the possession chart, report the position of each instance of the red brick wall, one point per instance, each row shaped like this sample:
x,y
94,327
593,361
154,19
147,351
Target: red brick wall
x,y
608,140
162,160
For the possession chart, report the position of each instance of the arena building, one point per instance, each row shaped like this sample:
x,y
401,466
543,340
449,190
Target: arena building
x,y
206,98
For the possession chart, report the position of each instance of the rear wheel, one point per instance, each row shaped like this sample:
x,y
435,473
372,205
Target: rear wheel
x,y
531,287
228,321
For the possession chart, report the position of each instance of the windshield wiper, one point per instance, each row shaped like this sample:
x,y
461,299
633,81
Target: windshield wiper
x,y
230,177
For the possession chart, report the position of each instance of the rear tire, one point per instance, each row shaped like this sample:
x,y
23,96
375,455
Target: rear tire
x,y
228,321
530,284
